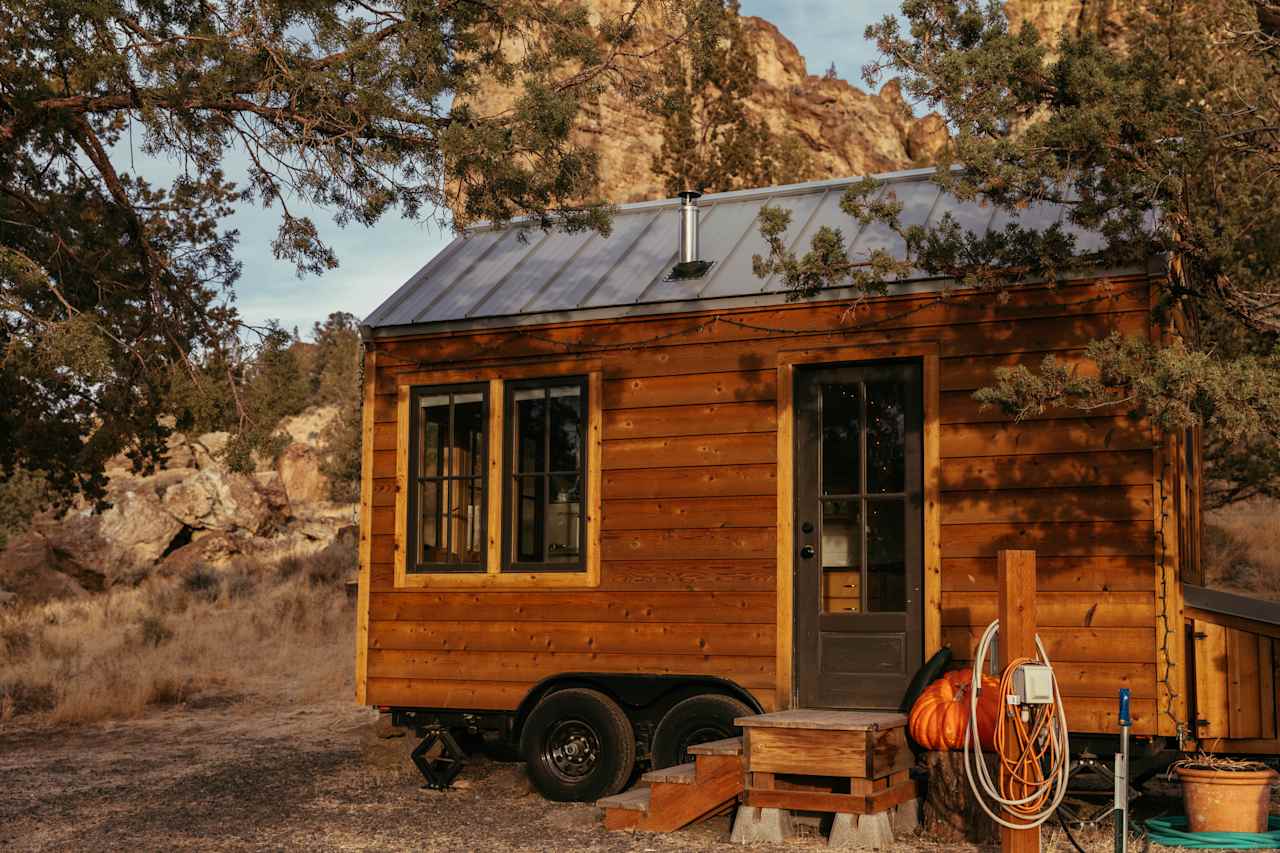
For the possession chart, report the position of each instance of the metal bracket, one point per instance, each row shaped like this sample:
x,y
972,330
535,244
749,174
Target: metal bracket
x,y
439,759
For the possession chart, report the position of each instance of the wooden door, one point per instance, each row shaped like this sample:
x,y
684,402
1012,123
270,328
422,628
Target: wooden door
x,y
858,560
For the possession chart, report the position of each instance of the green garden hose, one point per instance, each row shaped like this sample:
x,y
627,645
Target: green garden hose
x,y
1172,831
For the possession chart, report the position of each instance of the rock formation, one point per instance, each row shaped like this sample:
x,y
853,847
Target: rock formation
x,y
845,131
192,511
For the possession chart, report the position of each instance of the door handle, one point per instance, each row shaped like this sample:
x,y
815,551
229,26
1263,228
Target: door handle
x,y
807,552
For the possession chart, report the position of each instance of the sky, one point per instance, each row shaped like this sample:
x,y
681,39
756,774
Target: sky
x,y
373,262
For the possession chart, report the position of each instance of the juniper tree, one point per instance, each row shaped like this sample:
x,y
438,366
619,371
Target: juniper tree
x,y
710,140
1168,145
110,284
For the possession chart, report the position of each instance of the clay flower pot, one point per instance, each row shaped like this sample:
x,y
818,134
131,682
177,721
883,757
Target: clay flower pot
x,y
1226,800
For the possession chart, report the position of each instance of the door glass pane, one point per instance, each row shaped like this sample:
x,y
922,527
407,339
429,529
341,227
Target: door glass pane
x,y
886,552
566,427
564,515
467,447
431,533
434,435
886,436
841,556
527,517
529,430
840,418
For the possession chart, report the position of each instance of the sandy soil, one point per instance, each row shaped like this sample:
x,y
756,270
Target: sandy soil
x,y
317,778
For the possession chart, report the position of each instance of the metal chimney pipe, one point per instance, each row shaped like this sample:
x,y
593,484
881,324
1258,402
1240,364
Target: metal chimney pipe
x,y
689,226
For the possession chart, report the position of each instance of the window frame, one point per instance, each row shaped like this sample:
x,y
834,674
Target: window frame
x,y
509,562
413,529
496,376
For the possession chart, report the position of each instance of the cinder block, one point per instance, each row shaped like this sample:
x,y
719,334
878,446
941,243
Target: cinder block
x,y
906,818
761,826
861,832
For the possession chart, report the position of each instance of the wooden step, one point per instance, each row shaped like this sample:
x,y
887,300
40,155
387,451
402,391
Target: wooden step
x,y
866,745
625,810
680,774
728,746
634,800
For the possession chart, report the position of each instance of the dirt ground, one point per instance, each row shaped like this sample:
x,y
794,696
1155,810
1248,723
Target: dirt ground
x,y
320,777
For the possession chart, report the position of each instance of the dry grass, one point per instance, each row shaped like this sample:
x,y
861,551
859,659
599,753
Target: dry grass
x,y
209,637
1242,548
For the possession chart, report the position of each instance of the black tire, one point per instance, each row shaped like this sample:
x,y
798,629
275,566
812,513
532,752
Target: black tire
x,y
578,746
695,720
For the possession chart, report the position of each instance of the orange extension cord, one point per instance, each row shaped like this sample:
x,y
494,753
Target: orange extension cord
x,y
1022,752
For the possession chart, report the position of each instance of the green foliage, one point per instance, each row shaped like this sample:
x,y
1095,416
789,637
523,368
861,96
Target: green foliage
x,y
113,287
709,139
336,378
23,493
1164,145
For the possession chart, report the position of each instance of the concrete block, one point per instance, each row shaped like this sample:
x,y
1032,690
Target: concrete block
x,y
861,832
906,818
761,826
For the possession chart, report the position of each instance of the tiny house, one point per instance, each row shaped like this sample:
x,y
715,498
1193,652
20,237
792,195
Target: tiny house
x,y
606,510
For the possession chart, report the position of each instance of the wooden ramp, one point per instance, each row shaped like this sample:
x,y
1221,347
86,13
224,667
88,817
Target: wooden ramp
x,y
669,799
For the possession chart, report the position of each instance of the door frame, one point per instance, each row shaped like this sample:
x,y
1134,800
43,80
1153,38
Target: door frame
x,y
931,601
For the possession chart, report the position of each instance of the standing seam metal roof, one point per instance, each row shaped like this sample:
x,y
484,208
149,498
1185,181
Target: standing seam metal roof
x,y
523,273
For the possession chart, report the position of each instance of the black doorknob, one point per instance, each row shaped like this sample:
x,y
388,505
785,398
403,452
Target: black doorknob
x,y
807,552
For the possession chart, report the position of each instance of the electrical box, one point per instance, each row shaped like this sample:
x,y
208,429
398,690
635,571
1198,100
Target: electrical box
x,y
1033,684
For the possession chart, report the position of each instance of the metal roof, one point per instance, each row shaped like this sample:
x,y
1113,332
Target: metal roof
x,y
518,274
1231,604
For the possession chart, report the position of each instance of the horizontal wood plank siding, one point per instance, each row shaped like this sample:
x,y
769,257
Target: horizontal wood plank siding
x,y
689,501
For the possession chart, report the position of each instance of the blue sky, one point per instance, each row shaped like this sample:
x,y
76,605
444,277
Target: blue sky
x,y
375,261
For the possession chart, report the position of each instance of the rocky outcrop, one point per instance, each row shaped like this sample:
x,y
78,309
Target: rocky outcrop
x,y
844,130
1103,18
193,511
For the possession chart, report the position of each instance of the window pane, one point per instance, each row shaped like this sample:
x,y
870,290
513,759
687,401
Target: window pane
x,y
841,556
564,520
886,436
471,542
566,428
840,439
433,435
431,528
886,566
529,430
841,534
467,447
527,518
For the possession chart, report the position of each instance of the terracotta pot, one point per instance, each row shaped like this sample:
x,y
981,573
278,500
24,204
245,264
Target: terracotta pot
x,y
1226,800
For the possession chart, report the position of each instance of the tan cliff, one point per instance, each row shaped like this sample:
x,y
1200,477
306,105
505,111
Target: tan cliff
x,y
844,130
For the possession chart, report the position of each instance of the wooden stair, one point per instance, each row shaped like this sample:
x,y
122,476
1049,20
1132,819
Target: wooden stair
x,y
674,797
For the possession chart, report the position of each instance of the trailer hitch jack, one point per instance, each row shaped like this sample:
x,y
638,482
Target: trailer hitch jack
x,y
438,758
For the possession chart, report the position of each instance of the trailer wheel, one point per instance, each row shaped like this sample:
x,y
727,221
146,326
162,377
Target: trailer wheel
x,y
578,746
695,720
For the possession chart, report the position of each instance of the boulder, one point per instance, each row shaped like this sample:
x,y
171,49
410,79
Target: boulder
x,y
271,487
220,500
299,470
137,527
215,548
35,573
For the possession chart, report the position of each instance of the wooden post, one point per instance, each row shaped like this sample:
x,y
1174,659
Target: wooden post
x,y
1016,576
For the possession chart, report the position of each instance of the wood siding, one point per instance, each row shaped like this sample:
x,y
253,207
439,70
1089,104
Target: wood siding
x,y
690,483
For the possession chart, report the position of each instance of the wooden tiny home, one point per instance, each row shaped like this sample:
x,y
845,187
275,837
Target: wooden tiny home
x,y
576,465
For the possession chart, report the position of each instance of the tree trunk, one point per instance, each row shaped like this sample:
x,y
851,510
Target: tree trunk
x,y
951,813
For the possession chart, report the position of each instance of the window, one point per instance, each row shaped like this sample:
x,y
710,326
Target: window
x,y
447,490
545,475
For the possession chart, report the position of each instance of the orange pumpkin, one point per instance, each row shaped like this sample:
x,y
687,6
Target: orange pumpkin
x,y
940,716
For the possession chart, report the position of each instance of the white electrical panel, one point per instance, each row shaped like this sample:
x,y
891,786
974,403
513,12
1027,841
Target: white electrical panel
x,y
1033,684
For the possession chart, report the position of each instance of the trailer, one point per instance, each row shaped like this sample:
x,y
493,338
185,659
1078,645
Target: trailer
x,y
609,506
